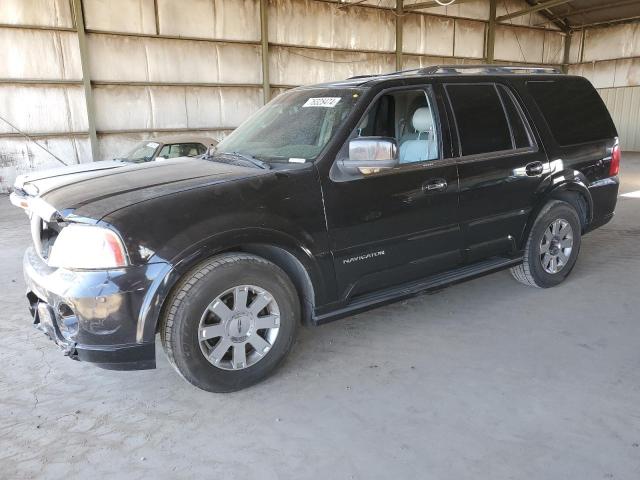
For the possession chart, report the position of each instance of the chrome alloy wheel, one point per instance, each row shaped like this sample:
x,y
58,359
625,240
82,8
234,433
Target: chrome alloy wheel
x,y
556,246
239,327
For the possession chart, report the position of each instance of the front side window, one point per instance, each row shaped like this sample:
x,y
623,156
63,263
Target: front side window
x,y
480,118
294,127
407,116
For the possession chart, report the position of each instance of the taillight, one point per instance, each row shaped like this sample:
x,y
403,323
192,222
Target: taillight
x,y
614,166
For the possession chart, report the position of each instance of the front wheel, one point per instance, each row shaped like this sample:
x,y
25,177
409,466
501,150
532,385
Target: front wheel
x,y
552,247
230,322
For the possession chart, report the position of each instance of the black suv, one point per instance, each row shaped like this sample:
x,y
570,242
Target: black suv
x,y
330,200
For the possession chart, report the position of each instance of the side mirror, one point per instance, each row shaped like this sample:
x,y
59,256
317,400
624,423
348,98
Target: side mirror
x,y
370,155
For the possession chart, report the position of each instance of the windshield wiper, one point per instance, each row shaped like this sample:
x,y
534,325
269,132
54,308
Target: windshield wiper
x,y
246,157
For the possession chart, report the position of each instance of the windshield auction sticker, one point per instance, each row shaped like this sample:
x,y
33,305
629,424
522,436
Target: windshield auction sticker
x,y
327,102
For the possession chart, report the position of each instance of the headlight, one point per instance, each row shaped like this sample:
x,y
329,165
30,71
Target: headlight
x,y
87,247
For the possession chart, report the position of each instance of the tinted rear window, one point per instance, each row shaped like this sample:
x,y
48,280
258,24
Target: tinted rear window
x,y
480,118
573,110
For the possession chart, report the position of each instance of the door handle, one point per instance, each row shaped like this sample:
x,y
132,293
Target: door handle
x,y
534,169
435,185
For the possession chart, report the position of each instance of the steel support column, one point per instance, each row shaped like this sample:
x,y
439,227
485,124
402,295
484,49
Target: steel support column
x,y
264,36
567,52
399,22
86,78
491,31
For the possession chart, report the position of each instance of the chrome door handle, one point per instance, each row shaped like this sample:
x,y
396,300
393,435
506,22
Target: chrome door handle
x,y
534,169
436,185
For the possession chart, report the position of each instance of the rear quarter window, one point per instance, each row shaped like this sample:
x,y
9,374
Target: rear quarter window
x,y
573,110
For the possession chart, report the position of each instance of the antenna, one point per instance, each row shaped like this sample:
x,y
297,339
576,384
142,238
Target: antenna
x,y
31,139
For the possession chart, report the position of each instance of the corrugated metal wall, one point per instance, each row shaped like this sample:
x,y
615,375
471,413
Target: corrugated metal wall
x,y
183,65
624,105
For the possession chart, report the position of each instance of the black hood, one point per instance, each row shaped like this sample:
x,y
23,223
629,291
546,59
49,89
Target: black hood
x,y
97,196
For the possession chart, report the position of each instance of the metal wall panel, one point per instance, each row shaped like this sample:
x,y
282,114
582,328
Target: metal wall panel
x,y
325,25
163,107
296,66
469,39
519,44
140,59
39,54
19,156
420,61
215,19
44,13
613,42
428,35
478,9
43,109
610,73
624,105
132,16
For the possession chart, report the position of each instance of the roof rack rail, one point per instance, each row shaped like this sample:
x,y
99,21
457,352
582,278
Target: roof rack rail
x,y
470,69
488,68
372,75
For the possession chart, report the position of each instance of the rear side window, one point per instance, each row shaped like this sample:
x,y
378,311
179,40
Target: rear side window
x,y
573,110
480,118
519,131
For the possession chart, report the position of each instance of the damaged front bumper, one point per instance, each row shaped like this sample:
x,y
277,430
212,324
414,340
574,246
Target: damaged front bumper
x,y
92,315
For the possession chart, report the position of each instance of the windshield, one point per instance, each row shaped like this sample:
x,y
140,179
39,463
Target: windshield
x,y
143,152
294,127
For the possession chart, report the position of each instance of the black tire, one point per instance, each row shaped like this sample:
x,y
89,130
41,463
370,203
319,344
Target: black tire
x,y
190,298
531,272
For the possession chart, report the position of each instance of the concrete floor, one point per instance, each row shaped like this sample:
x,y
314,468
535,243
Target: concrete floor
x,y
485,380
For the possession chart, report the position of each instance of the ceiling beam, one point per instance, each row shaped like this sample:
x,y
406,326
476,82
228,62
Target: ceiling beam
x,y
581,11
533,8
431,4
607,23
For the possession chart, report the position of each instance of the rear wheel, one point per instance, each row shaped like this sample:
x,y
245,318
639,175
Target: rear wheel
x,y
230,322
552,247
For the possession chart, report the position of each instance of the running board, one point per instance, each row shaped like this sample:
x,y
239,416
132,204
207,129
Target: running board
x,y
436,282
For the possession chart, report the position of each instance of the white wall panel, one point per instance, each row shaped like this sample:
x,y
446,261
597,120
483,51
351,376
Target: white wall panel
x,y
519,44
46,13
40,109
134,107
117,58
553,51
216,19
415,61
321,24
19,156
293,66
624,106
612,42
478,9
627,72
576,47
469,39
132,16
428,35
39,54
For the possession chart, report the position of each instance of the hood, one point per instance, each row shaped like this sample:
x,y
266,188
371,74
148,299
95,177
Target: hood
x,y
37,183
100,193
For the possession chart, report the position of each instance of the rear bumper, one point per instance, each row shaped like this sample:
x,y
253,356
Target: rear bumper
x,y
92,316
